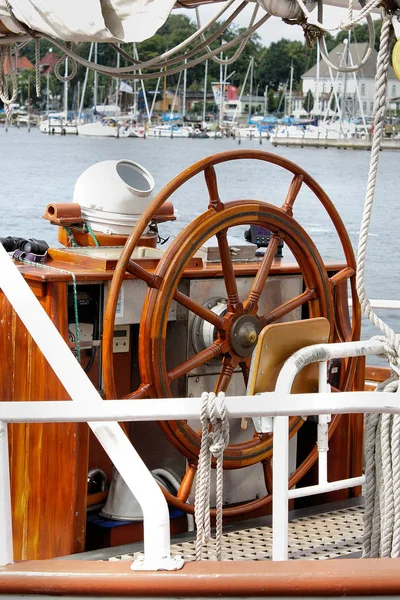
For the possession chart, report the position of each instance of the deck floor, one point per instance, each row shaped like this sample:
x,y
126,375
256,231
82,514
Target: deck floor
x,y
327,535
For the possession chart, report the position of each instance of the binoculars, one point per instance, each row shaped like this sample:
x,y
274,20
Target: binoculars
x,y
31,246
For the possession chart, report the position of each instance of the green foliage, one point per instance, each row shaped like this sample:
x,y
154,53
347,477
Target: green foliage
x,y
308,103
276,60
272,104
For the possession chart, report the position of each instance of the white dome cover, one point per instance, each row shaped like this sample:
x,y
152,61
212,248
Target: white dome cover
x,y
113,194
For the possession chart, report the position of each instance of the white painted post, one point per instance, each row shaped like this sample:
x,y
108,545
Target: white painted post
x,y
323,420
6,540
280,478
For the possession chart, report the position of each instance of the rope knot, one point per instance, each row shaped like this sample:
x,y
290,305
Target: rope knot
x,y
391,347
214,440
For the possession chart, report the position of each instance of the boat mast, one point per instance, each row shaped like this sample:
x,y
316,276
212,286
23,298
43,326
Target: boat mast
x,y
95,78
221,97
171,114
184,94
165,94
117,80
85,84
136,55
290,90
154,97
316,110
242,91
205,93
66,90
251,84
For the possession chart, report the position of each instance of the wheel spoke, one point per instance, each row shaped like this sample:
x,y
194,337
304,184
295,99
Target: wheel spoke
x,y
154,282
287,307
293,192
202,311
139,394
212,186
341,276
267,470
251,304
228,366
199,359
187,482
245,366
228,271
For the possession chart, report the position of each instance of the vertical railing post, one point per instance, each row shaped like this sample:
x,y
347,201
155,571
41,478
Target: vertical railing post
x,y
323,420
280,478
6,540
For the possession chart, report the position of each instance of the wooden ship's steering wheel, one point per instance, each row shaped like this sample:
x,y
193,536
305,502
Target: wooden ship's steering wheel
x,y
237,327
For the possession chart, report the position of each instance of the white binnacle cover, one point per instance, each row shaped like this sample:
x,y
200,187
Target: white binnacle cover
x,y
113,194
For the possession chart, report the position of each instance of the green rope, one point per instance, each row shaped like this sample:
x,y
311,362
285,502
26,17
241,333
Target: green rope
x,y
75,296
71,236
92,235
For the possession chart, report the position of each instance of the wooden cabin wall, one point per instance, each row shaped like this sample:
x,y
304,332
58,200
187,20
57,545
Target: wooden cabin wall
x,y
48,462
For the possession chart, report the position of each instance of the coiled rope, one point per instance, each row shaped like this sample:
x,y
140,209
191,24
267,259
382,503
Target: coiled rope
x,y
214,440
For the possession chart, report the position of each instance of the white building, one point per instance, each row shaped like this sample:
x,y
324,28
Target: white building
x,y
241,108
355,94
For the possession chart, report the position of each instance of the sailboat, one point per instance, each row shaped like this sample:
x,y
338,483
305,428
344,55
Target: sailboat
x,y
58,122
272,336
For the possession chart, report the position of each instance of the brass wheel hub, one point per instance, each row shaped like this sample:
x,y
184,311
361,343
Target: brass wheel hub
x,y
243,335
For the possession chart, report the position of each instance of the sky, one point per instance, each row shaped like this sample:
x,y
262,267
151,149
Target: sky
x,y
274,29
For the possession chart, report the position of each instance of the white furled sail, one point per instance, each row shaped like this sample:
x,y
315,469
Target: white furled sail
x,y
89,20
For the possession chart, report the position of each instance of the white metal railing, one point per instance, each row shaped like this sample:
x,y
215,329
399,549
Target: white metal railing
x,y
102,417
382,304
279,404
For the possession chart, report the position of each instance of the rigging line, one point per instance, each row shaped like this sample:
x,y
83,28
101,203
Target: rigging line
x,y
239,51
191,38
364,12
383,62
367,54
122,73
197,48
114,72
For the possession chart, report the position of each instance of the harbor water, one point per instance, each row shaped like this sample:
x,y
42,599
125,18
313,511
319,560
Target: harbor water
x,y
38,169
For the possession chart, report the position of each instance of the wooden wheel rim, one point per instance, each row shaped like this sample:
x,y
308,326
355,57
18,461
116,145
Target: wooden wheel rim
x,y
152,344
178,181
168,190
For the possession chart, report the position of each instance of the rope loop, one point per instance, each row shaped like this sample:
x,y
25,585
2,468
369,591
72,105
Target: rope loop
x,y
63,60
214,440
8,52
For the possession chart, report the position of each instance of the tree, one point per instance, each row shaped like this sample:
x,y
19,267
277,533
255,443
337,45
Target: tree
x,y
276,60
271,101
308,103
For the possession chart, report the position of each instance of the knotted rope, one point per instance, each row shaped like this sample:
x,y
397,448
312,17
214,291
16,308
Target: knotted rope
x,y
8,53
383,61
382,432
214,440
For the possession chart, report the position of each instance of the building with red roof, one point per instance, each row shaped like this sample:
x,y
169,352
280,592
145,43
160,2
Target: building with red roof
x,y
23,63
48,61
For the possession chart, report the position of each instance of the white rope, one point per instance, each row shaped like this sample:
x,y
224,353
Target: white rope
x,y
214,440
62,61
7,53
344,25
37,67
383,61
382,432
352,68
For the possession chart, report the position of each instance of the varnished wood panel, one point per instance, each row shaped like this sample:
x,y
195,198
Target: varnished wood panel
x,y
48,462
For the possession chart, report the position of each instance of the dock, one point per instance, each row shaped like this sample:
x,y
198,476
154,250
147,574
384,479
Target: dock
x,y
346,144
